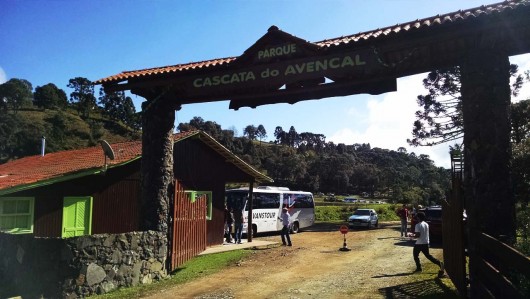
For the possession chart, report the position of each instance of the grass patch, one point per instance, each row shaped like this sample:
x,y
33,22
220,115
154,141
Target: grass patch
x,y
199,266
386,212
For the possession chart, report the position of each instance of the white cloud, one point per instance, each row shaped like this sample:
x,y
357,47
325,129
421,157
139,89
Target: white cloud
x,y
3,76
389,122
390,117
523,61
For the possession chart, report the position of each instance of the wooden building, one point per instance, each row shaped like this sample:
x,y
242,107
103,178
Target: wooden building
x,y
80,192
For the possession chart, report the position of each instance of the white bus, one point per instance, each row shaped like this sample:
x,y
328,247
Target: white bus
x,y
267,207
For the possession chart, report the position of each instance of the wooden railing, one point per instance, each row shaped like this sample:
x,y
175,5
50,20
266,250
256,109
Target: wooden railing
x,y
501,270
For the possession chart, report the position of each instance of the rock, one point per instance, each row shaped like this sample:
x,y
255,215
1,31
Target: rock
x,y
136,273
20,254
94,274
109,241
116,256
147,279
156,266
107,287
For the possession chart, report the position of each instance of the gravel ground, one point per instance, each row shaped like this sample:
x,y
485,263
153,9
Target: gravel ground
x,y
379,265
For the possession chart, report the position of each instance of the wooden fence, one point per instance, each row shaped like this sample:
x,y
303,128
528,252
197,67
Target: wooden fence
x,y
188,236
454,239
501,271
453,230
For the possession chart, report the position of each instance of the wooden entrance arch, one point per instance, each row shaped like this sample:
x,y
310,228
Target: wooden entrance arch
x,y
282,68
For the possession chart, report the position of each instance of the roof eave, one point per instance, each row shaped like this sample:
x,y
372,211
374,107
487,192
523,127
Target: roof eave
x,y
66,177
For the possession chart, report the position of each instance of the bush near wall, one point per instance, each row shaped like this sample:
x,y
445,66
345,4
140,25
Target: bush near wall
x,y
386,212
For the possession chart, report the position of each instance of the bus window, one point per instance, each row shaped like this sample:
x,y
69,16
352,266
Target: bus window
x,y
266,201
303,201
236,200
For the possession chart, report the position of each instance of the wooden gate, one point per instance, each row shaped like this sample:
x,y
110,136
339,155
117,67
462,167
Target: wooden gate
x,y
188,236
453,231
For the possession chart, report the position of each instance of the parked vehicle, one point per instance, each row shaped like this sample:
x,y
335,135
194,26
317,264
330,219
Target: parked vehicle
x,y
268,203
350,199
433,217
364,218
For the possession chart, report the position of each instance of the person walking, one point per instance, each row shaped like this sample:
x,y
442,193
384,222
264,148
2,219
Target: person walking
x,y
403,214
421,232
286,221
238,225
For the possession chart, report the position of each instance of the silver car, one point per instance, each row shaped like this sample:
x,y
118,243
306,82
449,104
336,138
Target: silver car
x,y
364,218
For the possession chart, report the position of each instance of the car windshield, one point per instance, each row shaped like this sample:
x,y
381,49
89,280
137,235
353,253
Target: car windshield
x,y
362,212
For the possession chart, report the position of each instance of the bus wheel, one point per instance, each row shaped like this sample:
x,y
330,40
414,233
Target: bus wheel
x,y
254,230
295,228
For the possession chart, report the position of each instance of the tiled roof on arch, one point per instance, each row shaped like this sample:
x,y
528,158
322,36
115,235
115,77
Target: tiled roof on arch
x,y
417,25
33,171
426,23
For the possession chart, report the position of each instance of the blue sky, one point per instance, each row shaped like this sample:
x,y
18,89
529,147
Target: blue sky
x,y
53,41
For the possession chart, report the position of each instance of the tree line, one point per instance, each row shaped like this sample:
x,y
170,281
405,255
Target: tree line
x,y
305,161
17,94
73,121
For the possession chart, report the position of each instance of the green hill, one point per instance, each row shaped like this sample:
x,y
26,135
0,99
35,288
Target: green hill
x,y
21,132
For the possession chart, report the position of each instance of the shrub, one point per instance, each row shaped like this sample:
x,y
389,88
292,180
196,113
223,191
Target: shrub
x,y
341,213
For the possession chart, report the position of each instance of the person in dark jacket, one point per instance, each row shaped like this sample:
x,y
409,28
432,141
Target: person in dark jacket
x,y
229,219
238,225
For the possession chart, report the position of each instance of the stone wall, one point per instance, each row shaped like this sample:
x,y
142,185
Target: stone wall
x,y
77,267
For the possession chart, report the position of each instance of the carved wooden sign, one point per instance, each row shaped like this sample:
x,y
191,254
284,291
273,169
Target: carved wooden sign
x,y
278,59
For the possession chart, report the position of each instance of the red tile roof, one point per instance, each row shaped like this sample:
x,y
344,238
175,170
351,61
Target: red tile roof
x,y
430,22
165,70
34,170
423,24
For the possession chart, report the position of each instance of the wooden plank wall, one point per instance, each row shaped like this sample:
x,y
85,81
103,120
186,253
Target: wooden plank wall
x,y
454,239
188,237
116,207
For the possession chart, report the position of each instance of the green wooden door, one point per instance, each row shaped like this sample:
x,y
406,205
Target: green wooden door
x,y
77,216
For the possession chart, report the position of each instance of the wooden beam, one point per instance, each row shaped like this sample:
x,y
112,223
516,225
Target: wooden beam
x,y
292,96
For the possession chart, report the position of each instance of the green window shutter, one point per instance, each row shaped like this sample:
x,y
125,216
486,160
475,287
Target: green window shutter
x,y
208,203
193,195
77,216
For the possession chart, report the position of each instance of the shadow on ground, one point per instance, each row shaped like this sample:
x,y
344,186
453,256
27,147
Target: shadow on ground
x,y
432,288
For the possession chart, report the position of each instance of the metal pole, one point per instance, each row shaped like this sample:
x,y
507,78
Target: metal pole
x,y
249,217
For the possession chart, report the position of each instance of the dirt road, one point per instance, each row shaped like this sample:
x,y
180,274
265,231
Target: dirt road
x,y
379,265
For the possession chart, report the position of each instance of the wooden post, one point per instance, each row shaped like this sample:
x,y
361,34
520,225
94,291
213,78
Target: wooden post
x,y
250,231
158,118
488,193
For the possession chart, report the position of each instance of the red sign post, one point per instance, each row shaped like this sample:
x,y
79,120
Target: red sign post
x,y
344,230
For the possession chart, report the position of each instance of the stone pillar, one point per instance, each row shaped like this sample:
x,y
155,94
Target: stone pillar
x,y
486,114
158,120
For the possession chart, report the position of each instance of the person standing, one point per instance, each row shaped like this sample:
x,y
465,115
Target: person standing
x,y
238,225
228,224
286,221
421,232
403,214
